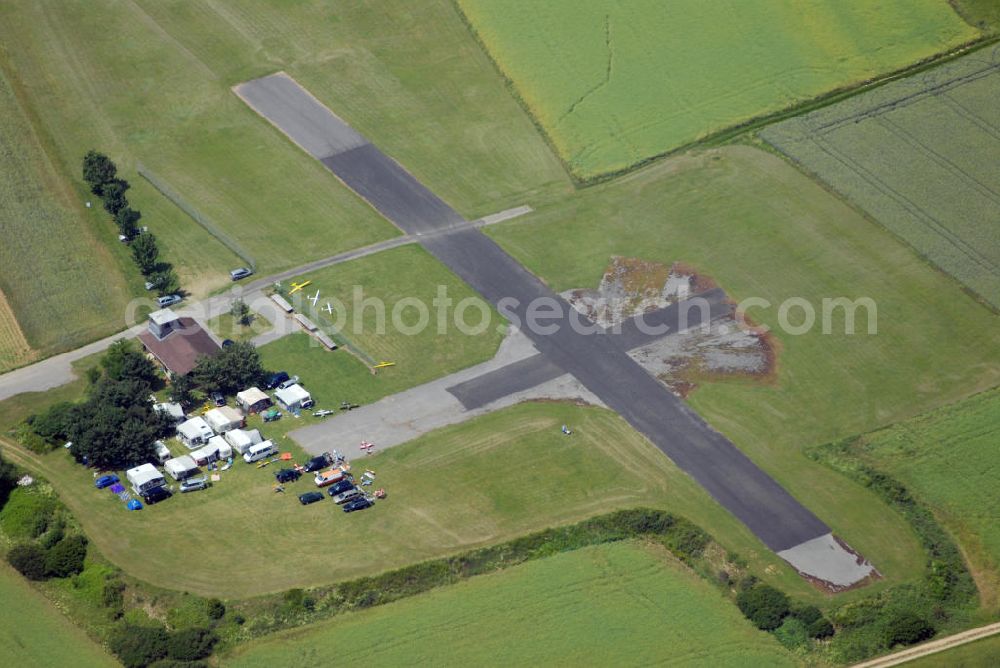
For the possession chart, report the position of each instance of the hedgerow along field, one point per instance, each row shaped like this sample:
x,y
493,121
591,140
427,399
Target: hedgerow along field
x,y
34,632
949,459
615,604
53,269
919,155
613,84
149,82
761,228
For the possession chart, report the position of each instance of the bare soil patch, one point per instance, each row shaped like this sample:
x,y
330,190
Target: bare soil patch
x,y
724,349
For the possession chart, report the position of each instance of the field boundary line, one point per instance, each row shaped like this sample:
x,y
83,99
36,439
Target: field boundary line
x,y
175,198
933,647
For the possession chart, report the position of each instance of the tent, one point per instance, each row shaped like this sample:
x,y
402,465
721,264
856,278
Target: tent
x,y
224,419
195,432
181,467
144,478
174,411
252,400
293,397
217,448
241,439
134,504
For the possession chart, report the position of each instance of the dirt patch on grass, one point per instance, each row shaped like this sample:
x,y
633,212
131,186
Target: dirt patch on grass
x,y
726,348
15,350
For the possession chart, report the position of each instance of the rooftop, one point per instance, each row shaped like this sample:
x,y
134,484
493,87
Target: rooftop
x,y
179,351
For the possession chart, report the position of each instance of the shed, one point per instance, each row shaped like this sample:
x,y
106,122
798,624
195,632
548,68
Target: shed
x,y
195,432
144,478
224,419
174,411
293,397
181,467
253,400
282,303
241,439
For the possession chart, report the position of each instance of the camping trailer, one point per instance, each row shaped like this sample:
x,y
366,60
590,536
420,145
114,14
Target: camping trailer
x,y
144,478
242,439
181,467
223,419
162,452
253,400
294,397
194,433
260,451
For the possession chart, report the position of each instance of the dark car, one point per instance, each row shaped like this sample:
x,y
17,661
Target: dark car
x,y
317,463
105,481
218,399
340,487
287,475
277,379
155,495
226,343
357,504
310,497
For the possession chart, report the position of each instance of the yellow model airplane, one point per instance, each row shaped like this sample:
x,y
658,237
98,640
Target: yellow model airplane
x,y
382,365
298,286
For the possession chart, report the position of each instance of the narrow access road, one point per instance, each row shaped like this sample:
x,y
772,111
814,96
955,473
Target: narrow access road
x,y
932,647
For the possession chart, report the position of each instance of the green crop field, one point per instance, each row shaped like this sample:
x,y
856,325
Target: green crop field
x,y
613,84
950,460
34,633
620,604
762,229
52,268
919,155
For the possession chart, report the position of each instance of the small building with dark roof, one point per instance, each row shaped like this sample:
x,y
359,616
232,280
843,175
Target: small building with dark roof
x,y
177,342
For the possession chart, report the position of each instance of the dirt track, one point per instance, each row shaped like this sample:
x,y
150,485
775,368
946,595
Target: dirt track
x,y
932,647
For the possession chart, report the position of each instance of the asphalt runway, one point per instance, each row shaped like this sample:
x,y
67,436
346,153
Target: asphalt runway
x,y
635,333
597,361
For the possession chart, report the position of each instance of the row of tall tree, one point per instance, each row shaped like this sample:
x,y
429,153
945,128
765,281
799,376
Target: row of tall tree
x,y
101,174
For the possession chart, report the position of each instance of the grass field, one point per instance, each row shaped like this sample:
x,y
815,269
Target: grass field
x,y
613,84
52,268
950,460
762,229
407,273
225,326
919,155
34,633
981,654
149,82
620,604
474,484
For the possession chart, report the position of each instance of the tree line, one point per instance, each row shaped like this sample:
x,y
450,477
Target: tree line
x,y
101,174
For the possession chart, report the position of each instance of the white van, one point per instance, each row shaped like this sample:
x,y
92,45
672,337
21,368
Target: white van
x,y
260,451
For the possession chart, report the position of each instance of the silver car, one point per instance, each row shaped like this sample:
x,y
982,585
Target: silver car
x,y
350,494
242,272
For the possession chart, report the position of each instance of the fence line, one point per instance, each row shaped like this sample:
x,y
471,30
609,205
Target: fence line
x,y
164,189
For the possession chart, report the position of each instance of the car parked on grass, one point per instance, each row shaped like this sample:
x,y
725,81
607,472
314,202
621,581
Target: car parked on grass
x,y
316,463
218,399
288,382
277,379
168,300
156,495
340,487
310,497
358,504
287,475
105,481
347,495
194,484
242,272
